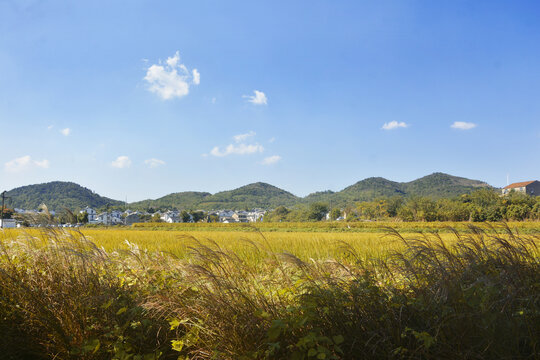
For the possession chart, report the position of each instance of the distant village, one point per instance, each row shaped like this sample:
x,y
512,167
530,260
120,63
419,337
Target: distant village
x,y
172,216
89,215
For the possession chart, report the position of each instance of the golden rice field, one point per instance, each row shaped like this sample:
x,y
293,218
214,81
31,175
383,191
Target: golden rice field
x,y
304,240
64,298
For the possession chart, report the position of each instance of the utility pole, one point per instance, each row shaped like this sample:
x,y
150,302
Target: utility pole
x,y
3,202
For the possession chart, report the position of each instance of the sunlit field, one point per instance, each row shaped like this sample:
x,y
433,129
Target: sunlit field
x,y
304,240
305,245
302,244
234,292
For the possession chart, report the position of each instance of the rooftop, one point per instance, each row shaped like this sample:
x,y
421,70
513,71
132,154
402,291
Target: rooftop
x,y
519,184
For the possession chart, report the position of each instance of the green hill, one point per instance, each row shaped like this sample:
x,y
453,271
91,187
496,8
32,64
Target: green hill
x,y
437,185
371,188
57,195
257,195
180,200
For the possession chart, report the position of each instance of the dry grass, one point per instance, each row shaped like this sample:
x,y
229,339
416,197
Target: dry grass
x,y
471,294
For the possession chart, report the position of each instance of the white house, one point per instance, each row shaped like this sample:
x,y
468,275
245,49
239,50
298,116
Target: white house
x,y
226,216
116,217
8,223
171,217
104,218
92,215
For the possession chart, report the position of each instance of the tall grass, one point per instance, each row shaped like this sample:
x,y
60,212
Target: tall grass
x,y
338,226
474,297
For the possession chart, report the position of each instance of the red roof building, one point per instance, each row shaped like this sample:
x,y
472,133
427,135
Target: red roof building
x,y
527,187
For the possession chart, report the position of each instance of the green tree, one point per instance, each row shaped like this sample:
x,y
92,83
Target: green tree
x,y
184,216
82,217
197,215
517,211
335,213
393,205
317,211
8,213
278,214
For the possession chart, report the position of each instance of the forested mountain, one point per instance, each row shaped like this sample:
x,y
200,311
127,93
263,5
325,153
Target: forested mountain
x,y
57,195
437,185
180,200
257,195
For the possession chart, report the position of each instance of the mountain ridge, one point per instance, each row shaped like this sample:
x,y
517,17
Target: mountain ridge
x,y
60,194
57,195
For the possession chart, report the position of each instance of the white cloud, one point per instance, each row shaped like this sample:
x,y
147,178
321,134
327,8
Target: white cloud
x,y
196,77
462,125
271,160
24,163
237,149
44,164
50,127
121,162
258,99
153,163
394,125
271,140
243,137
65,131
171,79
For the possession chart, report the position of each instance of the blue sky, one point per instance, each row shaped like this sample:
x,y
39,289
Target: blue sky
x,y
139,99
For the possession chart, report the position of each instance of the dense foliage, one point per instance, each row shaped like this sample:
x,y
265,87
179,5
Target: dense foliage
x,y
257,195
475,297
437,185
479,205
181,200
57,195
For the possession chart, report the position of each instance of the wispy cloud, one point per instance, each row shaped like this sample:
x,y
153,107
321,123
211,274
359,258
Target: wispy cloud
x,y
121,162
65,131
237,149
154,163
394,125
462,125
196,77
50,127
24,163
271,140
171,79
271,160
243,137
258,99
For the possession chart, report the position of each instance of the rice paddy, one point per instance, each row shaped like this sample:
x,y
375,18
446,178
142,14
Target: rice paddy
x,y
238,293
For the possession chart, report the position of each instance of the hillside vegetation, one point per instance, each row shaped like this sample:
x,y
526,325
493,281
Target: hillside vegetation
x,y
262,195
437,185
57,195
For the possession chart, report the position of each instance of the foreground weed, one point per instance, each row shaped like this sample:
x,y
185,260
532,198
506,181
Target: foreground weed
x,y
472,296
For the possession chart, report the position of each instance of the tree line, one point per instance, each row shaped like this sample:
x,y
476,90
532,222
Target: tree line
x,y
480,205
